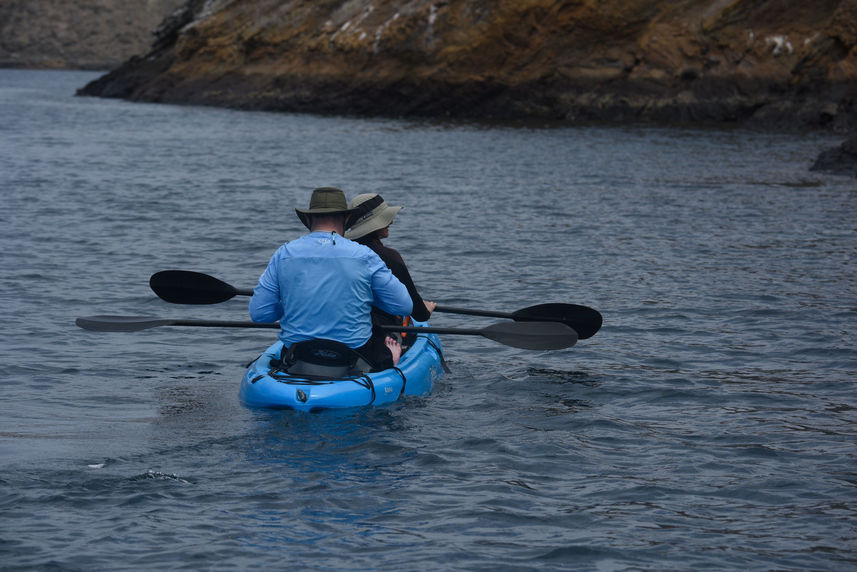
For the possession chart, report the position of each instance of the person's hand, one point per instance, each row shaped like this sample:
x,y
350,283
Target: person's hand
x,y
430,306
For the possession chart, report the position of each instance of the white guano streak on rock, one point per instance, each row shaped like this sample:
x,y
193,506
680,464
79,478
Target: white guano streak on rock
x,y
210,7
781,44
376,46
342,28
208,10
430,30
352,27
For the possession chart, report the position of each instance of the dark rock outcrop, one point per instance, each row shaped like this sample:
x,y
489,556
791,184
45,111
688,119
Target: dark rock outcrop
x,y
841,160
779,63
82,34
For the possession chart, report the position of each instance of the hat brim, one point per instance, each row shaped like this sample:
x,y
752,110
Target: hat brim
x,y
375,222
304,214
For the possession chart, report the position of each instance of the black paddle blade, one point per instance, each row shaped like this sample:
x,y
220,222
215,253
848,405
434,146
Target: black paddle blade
x,y
584,320
531,335
186,287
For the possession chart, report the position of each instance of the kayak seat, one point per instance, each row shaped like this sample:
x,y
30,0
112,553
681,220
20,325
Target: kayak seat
x,y
320,358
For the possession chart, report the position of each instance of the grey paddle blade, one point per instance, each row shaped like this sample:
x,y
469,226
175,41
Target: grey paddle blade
x,y
532,335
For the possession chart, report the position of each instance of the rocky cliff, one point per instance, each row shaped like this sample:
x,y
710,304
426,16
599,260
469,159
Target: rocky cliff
x,y
770,62
83,34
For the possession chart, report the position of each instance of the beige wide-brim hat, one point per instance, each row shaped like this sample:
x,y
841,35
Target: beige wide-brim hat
x,y
326,200
380,215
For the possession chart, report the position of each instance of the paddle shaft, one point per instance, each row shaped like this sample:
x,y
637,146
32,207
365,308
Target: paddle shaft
x,y
526,335
443,309
432,330
187,287
132,323
222,324
469,312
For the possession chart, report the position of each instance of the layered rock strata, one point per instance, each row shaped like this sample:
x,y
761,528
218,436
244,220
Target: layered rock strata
x,y
779,63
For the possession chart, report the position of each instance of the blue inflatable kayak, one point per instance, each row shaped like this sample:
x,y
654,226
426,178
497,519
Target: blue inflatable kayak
x,y
265,386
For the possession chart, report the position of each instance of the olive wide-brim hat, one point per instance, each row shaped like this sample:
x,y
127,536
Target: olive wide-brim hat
x,y
327,201
377,214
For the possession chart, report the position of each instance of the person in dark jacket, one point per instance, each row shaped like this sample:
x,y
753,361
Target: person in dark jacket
x,y
369,230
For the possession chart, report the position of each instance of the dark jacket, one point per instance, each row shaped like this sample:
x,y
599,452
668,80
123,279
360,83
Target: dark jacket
x,y
394,262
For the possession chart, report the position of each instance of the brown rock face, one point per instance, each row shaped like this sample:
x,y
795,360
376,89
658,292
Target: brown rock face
x,y
83,34
774,62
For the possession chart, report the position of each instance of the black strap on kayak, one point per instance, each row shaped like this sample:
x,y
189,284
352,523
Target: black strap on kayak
x,y
366,382
404,379
278,371
303,379
440,354
280,363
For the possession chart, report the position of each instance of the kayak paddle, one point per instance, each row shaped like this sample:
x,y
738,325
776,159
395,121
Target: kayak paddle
x,y
524,335
582,319
187,287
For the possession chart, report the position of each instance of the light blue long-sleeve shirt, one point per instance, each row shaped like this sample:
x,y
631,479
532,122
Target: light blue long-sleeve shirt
x,y
323,286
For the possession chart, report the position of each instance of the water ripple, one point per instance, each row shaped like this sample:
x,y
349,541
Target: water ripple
x,y
710,423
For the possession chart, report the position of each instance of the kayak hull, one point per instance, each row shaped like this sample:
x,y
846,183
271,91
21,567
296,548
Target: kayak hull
x,y
417,370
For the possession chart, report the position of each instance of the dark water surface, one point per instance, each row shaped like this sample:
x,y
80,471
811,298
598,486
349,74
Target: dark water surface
x,y
711,423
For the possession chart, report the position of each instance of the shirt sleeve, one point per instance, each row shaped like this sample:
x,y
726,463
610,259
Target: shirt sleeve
x,y
390,294
265,305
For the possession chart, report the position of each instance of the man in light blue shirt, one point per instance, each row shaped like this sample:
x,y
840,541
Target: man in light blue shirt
x,y
323,286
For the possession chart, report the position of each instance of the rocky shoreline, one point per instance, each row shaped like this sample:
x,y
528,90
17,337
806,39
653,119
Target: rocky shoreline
x,y
774,64
840,160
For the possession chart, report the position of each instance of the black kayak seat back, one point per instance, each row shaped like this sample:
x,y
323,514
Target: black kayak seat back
x,y
322,352
321,358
